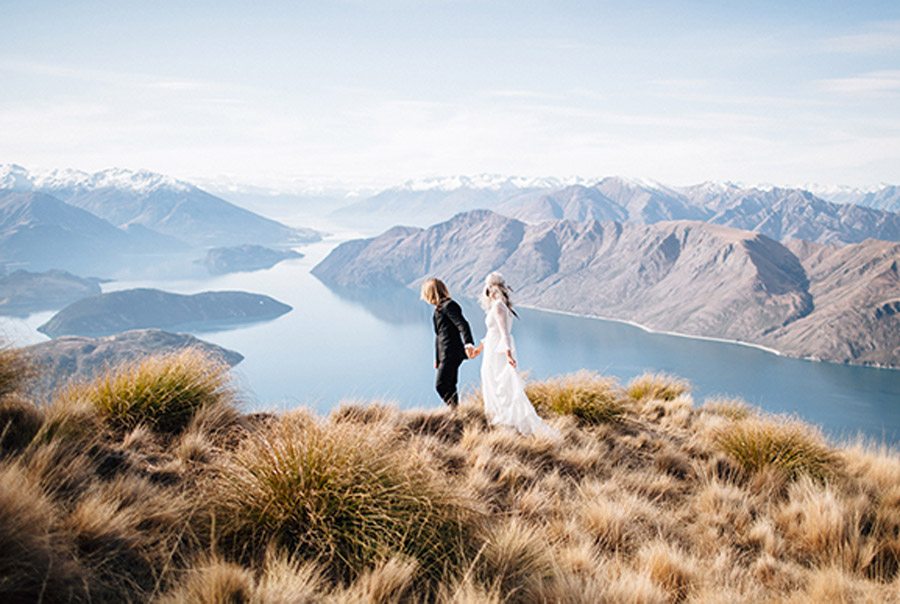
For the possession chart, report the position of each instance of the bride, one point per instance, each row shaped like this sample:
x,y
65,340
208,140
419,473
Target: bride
x,y
503,390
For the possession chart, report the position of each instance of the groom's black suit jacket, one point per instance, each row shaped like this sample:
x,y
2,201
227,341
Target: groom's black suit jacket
x,y
451,331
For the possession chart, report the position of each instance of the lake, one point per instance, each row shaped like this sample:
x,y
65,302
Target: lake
x,y
337,346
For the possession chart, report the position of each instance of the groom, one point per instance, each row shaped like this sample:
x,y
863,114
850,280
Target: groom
x,y
452,342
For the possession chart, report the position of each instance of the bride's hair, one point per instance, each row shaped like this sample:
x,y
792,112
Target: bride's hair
x,y
495,288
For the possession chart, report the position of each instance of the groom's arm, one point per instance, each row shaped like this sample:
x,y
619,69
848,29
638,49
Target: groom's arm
x,y
454,313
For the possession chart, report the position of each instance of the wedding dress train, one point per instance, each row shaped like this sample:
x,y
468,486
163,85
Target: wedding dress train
x,y
503,390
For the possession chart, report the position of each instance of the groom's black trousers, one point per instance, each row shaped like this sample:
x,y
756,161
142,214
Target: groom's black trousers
x,y
445,381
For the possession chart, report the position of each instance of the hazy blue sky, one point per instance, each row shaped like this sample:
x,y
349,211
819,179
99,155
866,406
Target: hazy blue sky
x,y
375,92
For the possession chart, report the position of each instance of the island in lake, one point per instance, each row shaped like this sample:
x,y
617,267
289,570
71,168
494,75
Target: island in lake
x,y
245,258
145,308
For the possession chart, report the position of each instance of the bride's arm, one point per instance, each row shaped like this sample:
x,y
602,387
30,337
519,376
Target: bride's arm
x,y
502,315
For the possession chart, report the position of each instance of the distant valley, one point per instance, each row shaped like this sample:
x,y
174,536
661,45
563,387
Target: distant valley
x,y
831,302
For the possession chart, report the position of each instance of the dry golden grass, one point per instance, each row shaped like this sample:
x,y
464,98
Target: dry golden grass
x,y
213,582
514,561
20,421
16,369
590,398
32,558
657,386
342,494
729,408
645,498
163,392
786,446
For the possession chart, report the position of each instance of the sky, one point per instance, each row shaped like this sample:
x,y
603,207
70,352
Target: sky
x,y
375,92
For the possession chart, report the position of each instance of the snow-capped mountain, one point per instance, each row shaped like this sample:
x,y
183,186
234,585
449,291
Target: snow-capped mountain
x,y
882,197
165,205
142,182
490,182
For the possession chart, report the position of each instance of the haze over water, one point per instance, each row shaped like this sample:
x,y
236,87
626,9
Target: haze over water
x,y
337,346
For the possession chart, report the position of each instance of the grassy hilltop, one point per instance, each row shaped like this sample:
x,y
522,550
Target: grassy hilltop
x,y
148,484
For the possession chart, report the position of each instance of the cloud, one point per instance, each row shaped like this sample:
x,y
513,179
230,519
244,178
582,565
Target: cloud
x,y
873,83
883,37
120,79
381,137
522,94
727,93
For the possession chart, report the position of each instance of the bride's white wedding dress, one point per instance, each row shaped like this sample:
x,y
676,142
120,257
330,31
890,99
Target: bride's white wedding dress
x,y
503,390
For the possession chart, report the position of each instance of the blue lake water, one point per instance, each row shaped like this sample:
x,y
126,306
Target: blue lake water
x,y
338,346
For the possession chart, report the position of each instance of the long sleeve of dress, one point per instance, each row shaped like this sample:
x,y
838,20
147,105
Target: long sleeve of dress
x,y
502,315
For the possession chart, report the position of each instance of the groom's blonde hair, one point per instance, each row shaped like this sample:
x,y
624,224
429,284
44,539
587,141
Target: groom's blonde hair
x,y
434,291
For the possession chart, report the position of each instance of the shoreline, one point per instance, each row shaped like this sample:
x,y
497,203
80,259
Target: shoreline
x,y
650,330
662,332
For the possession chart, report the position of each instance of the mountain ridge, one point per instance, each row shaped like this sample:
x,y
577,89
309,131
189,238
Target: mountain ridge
x,y
157,202
779,212
681,276
40,232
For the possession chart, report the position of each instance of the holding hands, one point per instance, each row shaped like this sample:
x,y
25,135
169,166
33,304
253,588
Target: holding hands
x,y
473,351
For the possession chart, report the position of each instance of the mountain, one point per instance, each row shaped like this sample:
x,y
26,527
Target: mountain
x,y
780,213
124,310
23,292
159,203
427,201
796,214
856,289
648,203
884,197
40,232
79,358
575,202
221,260
687,277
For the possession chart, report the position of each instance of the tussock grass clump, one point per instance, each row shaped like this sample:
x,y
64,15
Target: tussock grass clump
x,y
732,409
287,580
16,369
588,397
670,568
338,494
214,582
787,447
515,561
657,386
390,582
31,566
20,420
164,392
